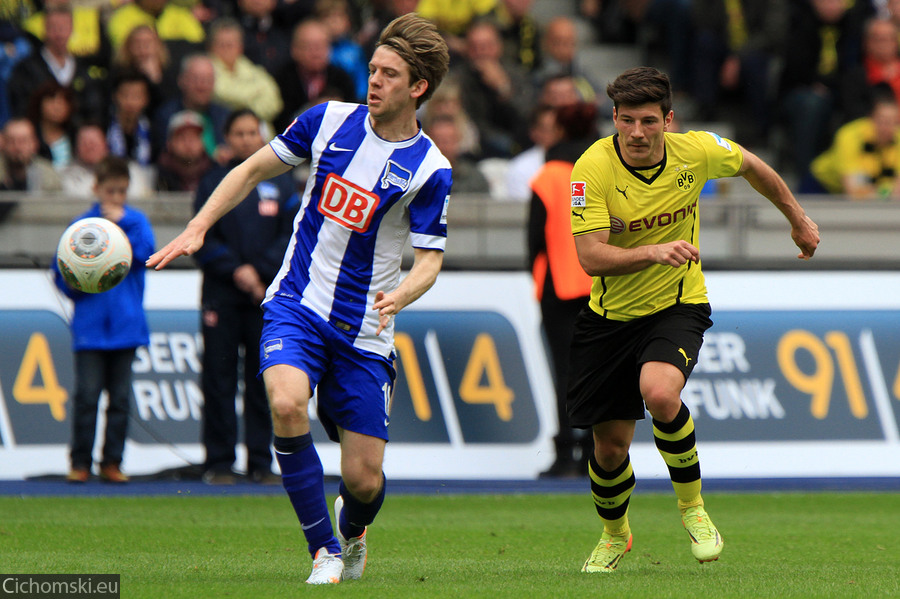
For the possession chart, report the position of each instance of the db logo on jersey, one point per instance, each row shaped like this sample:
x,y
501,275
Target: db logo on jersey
x,y
347,204
578,194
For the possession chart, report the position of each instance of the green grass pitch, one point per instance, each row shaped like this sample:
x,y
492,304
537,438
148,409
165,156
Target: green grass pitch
x,y
776,545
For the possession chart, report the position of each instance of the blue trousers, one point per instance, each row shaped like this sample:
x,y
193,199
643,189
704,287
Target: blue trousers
x,y
96,371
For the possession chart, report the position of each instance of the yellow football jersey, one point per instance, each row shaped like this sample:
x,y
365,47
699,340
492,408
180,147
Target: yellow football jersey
x,y
644,206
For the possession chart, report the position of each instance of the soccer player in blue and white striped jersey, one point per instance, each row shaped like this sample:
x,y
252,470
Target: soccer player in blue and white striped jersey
x,y
375,181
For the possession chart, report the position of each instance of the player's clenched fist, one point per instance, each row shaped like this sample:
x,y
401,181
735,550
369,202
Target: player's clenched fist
x,y
676,253
806,236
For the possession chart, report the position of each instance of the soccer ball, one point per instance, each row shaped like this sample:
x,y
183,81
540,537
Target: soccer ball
x,y
93,255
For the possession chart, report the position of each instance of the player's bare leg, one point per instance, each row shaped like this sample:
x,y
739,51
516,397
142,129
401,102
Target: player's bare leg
x,y
361,495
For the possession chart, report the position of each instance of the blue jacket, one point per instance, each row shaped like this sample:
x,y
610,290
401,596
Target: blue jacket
x,y
114,319
256,231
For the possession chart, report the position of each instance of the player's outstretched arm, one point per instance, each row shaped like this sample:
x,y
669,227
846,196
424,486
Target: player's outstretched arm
x,y
767,182
421,277
239,182
599,258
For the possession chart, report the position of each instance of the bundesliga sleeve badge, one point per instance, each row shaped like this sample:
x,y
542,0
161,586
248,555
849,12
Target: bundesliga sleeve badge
x,y
578,194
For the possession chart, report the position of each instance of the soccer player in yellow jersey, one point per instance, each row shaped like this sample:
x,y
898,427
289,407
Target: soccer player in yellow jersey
x,y
636,226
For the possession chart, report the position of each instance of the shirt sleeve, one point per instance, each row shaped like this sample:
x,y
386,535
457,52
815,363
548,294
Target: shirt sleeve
x,y
428,212
294,145
137,227
723,155
590,211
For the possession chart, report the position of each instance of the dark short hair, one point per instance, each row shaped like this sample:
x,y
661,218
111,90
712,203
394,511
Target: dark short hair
x,y
538,111
129,75
639,86
881,93
578,121
49,89
235,115
112,167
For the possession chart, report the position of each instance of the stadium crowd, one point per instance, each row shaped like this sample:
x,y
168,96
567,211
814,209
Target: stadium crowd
x,y
154,81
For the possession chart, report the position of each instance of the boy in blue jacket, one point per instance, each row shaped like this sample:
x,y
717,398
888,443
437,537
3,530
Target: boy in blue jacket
x,y
107,328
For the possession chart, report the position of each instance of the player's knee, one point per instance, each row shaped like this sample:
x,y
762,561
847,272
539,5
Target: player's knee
x,y
610,452
662,403
364,483
288,410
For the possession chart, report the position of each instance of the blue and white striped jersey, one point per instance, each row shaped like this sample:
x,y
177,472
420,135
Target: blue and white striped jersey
x,y
364,198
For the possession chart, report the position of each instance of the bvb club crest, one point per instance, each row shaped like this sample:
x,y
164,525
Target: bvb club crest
x,y
685,180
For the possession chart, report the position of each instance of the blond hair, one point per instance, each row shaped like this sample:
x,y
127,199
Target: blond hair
x,y
417,41
125,57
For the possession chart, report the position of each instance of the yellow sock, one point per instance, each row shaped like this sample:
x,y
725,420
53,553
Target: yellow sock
x,y
677,445
611,492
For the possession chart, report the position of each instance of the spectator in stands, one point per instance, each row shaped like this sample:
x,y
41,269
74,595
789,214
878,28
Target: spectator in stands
x,y
143,51
107,328
863,162
642,19
544,132
53,61
21,168
560,58
184,161
383,12
128,133
196,83
520,32
292,12
16,47
893,12
172,22
881,61
90,149
6,206
447,100
497,93
560,90
50,110
88,40
310,72
446,133
345,52
17,11
610,21
817,87
240,257
562,287
265,37
454,18
734,52
240,83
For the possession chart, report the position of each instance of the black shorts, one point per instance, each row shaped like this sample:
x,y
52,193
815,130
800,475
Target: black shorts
x,y
607,355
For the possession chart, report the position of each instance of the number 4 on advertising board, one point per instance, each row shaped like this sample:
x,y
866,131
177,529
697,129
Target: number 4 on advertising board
x,y
484,364
482,381
38,363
